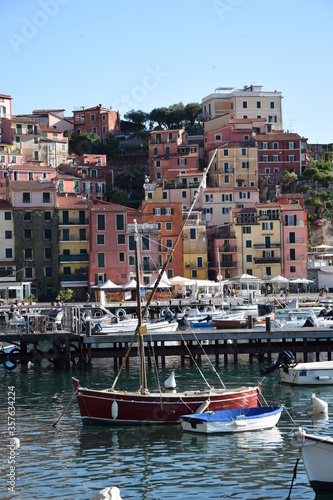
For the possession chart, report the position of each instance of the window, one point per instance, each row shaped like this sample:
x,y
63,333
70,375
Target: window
x,y
27,216
155,151
292,269
194,273
217,137
292,237
48,253
28,253
26,197
100,260
291,158
245,164
275,145
121,239
267,226
248,243
165,195
131,260
150,196
247,229
290,220
226,179
92,118
267,171
244,104
47,234
100,239
94,130
100,222
158,175
8,253
291,145
48,272
120,222
27,234
264,158
170,136
276,158
193,233
184,194
67,271
258,104
46,197
103,118
47,216
8,235
292,254
28,272
168,226
225,152
264,145
35,155
82,235
272,105
131,245
145,243
168,243
199,262
243,152
121,257
8,216
249,258
65,234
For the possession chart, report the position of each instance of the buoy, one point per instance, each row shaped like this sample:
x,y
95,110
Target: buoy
x,y
15,441
114,410
319,406
108,494
170,382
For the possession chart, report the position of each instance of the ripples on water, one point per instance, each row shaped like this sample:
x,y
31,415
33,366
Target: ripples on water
x,y
70,461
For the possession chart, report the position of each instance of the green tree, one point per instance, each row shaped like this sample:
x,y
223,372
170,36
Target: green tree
x,y
191,112
85,144
112,146
137,117
158,115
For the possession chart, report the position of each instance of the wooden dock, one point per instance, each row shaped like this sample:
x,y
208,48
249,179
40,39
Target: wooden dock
x,y
64,349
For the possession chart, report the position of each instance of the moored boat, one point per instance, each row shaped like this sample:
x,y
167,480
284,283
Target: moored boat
x,y
231,421
236,320
297,373
317,456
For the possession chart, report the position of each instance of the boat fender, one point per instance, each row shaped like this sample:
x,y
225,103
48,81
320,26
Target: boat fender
x,y
121,313
203,407
114,410
186,310
319,405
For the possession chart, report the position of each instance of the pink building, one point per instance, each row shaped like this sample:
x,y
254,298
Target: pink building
x,y
294,236
171,155
215,138
111,244
278,152
97,120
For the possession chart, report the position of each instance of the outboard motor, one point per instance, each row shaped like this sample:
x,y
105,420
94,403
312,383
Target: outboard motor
x,y
168,316
285,358
97,329
309,322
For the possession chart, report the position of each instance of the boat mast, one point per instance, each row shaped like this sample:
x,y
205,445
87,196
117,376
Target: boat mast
x,y
140,328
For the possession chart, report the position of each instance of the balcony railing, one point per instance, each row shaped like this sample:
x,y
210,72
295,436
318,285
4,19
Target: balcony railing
x,y
264,246
74,277
74,258
75,222
267,260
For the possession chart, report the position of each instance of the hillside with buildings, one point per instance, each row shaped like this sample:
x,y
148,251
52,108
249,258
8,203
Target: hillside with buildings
x,y
59,230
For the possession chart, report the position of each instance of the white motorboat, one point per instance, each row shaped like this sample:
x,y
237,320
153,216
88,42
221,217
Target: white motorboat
x,y
291,372
237,420
317,456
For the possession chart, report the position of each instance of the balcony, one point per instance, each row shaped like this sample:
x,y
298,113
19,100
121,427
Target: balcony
x,y
72,239
267,260
74,258
74,277
75,222
228,264
266,247
228,249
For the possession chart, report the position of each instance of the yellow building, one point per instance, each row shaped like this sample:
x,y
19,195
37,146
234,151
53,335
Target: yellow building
x,y
258,233
235,165
195,249
74,244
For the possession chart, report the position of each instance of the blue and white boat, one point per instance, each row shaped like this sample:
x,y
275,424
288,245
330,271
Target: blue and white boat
x,y
5,350
237,420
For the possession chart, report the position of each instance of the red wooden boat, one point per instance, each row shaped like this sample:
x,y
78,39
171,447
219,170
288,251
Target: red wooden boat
x,y
112,407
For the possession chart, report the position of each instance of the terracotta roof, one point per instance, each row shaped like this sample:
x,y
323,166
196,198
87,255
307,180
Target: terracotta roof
x,y
31,186
32,167
45,111
279,136
5,96
71,201
4,205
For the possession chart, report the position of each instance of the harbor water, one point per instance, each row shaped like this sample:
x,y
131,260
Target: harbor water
x,y
70,461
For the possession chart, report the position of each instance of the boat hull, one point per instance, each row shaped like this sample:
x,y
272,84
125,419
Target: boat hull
x,y
232,421
316,373
96,406
317,455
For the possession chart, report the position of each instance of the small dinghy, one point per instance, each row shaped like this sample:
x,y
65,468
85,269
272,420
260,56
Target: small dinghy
x,y
237,420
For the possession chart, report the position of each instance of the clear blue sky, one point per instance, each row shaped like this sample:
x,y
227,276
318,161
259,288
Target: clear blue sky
x,y
141,55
